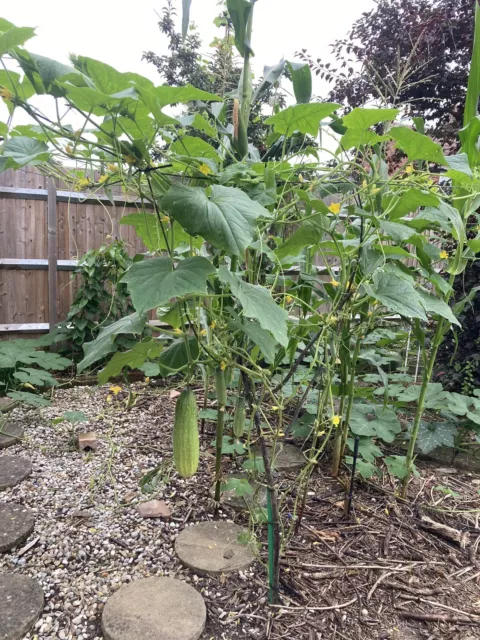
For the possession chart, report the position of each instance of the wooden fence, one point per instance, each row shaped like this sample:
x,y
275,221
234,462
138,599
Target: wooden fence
x,y
44,229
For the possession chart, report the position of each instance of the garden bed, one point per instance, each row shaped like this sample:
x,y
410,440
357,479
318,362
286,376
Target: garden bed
x,y
381,573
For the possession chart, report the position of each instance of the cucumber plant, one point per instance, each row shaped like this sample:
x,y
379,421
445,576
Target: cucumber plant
x,y
233,237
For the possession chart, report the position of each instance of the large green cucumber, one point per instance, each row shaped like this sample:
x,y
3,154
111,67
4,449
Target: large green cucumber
x,y
239,419
186,443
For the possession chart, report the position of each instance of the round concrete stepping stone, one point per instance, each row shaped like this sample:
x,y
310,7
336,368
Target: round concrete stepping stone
x,y
10,434
21,600
288,457
231,498
16,524
13,469
213,548
154,609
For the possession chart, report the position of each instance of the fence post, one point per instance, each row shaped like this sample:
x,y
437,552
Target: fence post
x,y
52,253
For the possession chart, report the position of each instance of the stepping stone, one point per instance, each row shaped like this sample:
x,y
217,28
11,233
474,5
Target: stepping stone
x,y
22,604
154,609
10,434
213,548
288,457
16,524
231,498
13,469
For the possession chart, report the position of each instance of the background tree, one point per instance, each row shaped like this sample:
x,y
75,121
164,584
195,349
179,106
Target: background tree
x,y
217,72
411,53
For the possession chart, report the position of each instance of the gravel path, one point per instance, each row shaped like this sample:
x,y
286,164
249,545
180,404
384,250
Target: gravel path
x,y
90,540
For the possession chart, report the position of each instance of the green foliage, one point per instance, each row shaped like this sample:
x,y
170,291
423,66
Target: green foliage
x,y
235,237
100,297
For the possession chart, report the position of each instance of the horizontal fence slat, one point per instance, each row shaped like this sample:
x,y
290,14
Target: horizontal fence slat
x,y
74,197
36,264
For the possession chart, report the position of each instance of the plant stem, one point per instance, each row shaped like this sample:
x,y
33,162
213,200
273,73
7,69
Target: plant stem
x,y
272,501
427,374
222,401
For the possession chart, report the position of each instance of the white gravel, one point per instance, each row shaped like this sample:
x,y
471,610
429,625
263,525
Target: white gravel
x,y
91,540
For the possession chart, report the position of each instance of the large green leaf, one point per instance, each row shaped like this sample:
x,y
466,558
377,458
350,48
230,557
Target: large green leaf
x,y
360,137
374,420
437,307
13,352
435,434
360,118
436,397
193,147
397,294
133,359
36,377
303,237
175,358
44,72
270,77
408,201
397,466
104,343
417,146
398,232
23,150
148,229
154,282
257,303
29,398
263,339
304,118
225,216
302,81
366,448
462,405
14,37
240,11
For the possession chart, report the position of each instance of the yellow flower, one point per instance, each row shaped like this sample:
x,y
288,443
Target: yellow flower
x,y
223,365
115,389
102,179
177,330
274,408
147,380
203,332
112,167
332,319
213,325
164,219
289,299
109,399
338,361
321,433
68,148
205,169
335,208
300,178
6,94
409,168
443,254
336,420
83,182
334,283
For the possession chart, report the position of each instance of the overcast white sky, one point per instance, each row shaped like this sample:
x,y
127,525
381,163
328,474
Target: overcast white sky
x,y
117,32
